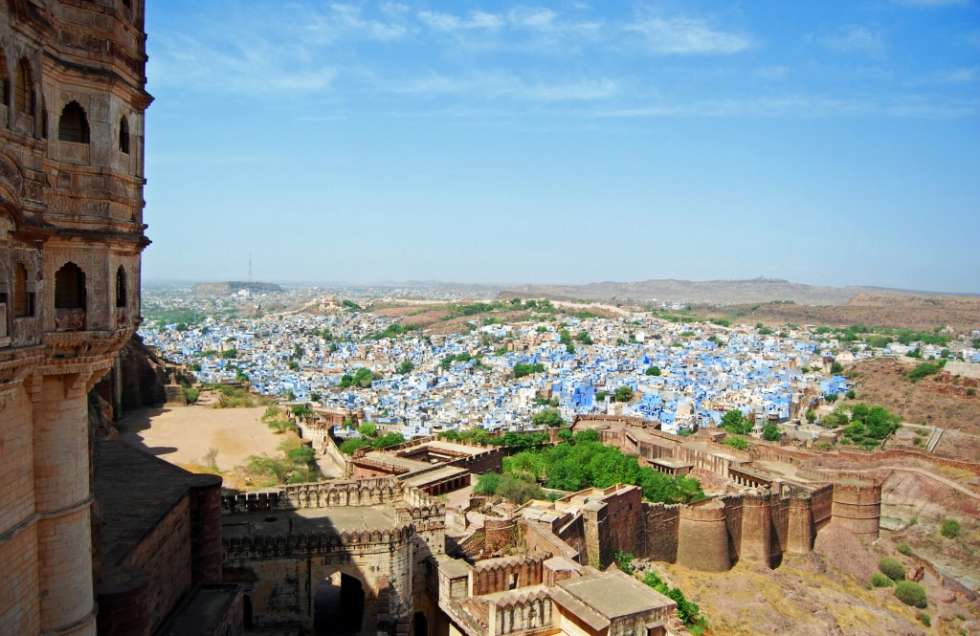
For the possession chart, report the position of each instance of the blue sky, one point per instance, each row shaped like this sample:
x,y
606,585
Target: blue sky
x,y
825,142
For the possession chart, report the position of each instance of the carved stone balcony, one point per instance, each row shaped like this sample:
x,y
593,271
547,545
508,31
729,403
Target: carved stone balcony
x,y
69,319
73,344
72,152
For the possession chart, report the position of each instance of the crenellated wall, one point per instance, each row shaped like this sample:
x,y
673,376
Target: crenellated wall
x,y
499,575
356,492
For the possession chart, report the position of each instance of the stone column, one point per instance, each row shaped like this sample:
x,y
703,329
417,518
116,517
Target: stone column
x,y
63,489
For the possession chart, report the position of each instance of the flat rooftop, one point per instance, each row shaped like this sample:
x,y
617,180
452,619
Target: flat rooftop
x,y
135,491
614,594
437,474
308,521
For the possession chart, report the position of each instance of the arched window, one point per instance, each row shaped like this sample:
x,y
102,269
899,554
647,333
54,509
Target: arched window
x,y
120,287
23,299
69,287
24,93
73,125
124,136
4,82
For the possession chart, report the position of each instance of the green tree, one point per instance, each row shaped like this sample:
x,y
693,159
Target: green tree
x,y
771,432
654,371
547,417
521,369
584,337
735,422
623,394
811,416
405,367
737,441
348,446
836,368
368,429
487,483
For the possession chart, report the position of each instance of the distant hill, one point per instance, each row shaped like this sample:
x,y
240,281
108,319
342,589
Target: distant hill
x,y
709,292
232,287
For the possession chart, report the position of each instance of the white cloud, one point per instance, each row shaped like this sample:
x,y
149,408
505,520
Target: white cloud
x,y
259,68
448,22
345,20
505,85
532,18
856,39
687,36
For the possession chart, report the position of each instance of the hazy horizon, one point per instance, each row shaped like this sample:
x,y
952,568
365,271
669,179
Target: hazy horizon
x,y
566,143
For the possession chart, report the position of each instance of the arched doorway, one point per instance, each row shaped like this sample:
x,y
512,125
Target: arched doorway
x,y
338,605
420,625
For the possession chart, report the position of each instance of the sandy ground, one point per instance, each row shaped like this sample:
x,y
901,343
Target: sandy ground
x,y
185,434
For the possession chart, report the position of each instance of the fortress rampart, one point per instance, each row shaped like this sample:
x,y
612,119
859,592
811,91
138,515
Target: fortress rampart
x,y
857,507
702,537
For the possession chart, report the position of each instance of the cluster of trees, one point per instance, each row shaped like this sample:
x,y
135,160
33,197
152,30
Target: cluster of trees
x,y
880,337
522,369
183,318
405,367
581,461
515,490
623,394
447,362
393,330
362,378
865,426
370,439
771,432
547,417
735,422
584,337
350,305
566,339
925,369
653,370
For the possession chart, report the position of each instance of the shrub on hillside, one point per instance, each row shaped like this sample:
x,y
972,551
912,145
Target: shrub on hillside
x,y
880,580
892,568
911,593
950,528
904,548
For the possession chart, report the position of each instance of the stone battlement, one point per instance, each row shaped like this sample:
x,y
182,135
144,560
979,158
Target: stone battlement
x,y
358,492
318,543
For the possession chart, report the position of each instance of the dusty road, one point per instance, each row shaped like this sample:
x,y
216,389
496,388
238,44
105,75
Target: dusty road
x,y
186,434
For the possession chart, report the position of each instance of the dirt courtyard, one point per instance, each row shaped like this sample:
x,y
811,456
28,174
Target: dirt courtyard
x,y
186,434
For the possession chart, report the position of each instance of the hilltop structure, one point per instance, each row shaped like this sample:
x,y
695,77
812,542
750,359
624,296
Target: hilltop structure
x,y
141,546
